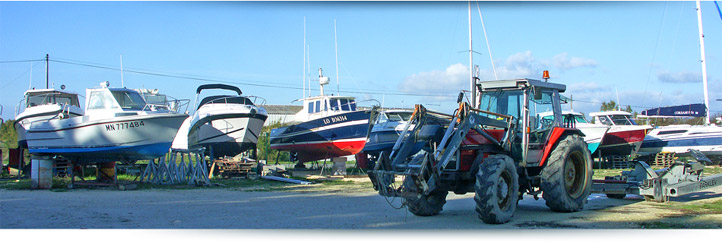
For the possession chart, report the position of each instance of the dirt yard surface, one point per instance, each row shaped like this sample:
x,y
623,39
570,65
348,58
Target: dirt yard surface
x,y
330,208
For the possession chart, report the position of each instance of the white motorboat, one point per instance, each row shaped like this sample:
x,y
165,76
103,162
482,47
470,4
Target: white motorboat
x,y
43,105
225,125
118,125
593,133
624,136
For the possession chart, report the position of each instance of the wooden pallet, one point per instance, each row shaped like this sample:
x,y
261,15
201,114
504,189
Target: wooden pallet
x,y
664,159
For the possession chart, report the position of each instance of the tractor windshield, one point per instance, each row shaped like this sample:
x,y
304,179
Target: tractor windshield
x,y
507,102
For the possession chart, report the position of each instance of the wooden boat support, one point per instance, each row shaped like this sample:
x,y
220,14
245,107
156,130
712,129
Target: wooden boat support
x,y
677,180
169,170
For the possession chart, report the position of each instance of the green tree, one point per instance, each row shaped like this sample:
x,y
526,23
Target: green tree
x,y
264,144
608,106
8,138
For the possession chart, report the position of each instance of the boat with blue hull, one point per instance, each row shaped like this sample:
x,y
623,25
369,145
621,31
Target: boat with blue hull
x,y
118,125
328,126
388,126
680,138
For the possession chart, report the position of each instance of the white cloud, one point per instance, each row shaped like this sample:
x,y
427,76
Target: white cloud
x,y
456,77
564,62
679,77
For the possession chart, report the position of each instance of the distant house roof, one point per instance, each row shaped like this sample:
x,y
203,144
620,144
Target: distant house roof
x,y
282,109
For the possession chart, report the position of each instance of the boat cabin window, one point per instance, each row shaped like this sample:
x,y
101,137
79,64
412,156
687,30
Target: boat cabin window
x,y
310,107
352,103
604,120
129,100
49,98
101,100
318,106
382,118
671,132
344,104
399,116
334,104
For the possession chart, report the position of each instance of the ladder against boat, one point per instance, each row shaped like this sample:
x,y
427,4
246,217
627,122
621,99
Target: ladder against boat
x,y
177,167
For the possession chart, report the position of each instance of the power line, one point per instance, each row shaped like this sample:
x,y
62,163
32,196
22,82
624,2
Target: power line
x,y
208,79
19,61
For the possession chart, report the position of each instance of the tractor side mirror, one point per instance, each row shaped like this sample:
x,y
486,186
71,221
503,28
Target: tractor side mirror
x,y
537,94
460,98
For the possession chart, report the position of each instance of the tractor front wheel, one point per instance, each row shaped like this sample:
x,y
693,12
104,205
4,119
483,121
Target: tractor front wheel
x,y
497,189
566,180
424,205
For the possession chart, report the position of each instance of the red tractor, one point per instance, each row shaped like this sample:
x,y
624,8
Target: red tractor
x,y
499,150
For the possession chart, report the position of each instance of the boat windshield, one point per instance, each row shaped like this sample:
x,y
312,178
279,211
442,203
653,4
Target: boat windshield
x,y
342,104
129,100
401,116
622,120
51,98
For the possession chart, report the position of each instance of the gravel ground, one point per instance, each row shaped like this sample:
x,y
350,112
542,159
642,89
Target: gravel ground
x,y
214,208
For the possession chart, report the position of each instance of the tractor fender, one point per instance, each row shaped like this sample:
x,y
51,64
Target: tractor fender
x,y
556,135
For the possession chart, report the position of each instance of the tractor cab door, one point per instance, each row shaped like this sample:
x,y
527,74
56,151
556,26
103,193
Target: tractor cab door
x,y
543,114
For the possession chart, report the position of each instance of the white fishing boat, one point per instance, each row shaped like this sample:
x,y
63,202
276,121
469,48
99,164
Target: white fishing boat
x,y
225,125
118,125
593,133
43,105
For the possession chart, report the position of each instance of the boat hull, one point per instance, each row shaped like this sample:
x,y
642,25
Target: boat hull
x,y
125,138
328,137
39,114
226,134
593,136
707,140
621,141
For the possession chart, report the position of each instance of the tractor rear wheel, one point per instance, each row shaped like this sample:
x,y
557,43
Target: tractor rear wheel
x,y
497,189
424,205
566,180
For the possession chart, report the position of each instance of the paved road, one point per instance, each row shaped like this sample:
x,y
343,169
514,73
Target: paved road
x,y
227,209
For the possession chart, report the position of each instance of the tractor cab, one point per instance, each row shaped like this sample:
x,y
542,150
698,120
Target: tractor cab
x,y
526,100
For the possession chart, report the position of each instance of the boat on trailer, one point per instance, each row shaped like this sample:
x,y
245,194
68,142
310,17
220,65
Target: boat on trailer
x,y
225,125
328,126
118,125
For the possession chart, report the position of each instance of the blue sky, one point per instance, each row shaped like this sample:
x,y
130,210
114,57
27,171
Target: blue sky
x,y
400,53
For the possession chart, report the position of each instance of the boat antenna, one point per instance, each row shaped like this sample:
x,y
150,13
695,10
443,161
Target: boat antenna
x,y
47,73
30,82
483,27
304,58
335,38
471,71
619,106
704,63
308,64
122,83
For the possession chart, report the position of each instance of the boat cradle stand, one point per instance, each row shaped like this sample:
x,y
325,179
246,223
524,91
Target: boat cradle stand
x,y
168,169
659,185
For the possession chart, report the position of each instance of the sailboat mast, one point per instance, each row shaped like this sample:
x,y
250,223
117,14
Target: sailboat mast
x,y
471,63
335,38
122,81
704,63
304,58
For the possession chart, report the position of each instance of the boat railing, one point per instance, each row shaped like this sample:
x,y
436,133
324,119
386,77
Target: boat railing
x,y
254,99
171,105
